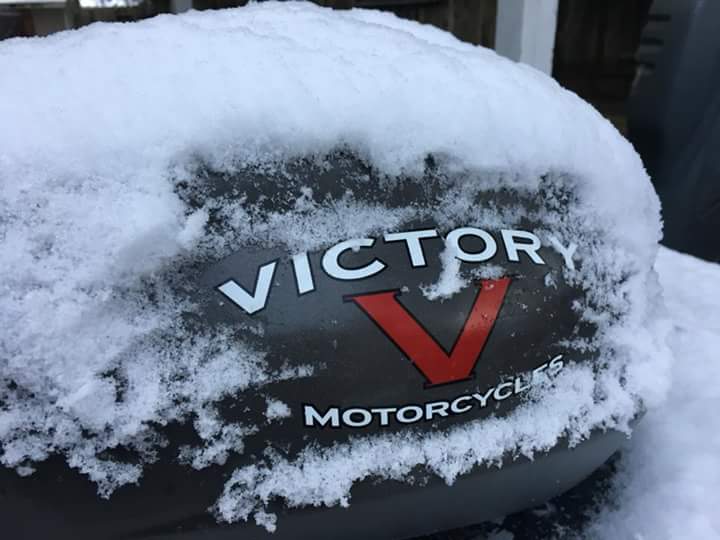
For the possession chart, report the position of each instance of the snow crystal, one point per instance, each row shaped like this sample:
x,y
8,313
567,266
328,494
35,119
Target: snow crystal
x,y
276,409
105,219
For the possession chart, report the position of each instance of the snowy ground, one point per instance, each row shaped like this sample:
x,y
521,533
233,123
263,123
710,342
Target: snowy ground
x,y
666,482
669,476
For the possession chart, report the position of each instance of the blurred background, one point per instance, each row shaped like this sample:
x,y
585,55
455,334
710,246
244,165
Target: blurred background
x,y
651,67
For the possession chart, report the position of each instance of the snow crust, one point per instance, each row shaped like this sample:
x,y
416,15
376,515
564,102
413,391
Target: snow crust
x,y
109,126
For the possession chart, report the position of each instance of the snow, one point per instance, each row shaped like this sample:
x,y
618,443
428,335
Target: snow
x,y
450,280
276,409
324,476
668,484
113,126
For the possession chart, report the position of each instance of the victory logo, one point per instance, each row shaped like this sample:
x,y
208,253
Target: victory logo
x,y
423,350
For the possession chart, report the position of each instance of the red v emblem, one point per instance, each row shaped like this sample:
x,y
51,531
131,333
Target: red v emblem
x,y
420,347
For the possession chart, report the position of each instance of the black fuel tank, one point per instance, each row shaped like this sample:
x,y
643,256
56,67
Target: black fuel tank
x,y
387,349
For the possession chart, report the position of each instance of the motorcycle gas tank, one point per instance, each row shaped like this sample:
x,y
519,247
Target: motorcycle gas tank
x,y
410,330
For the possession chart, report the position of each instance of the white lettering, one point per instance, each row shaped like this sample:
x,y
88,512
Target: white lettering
x,y
453,240
566,252
331,264
365,417
384,413
455,405
498,396
512,247
519,385
556,364
303,275
360,417
312,416
436,407
413,244
257,301
414,409
483,398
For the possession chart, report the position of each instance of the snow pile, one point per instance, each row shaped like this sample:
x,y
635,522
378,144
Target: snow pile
x,y
105,220
276,409
669,478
